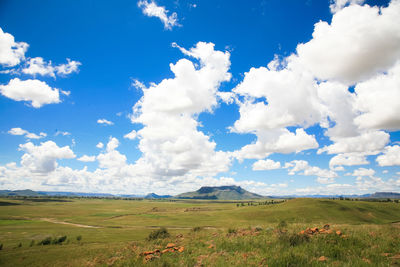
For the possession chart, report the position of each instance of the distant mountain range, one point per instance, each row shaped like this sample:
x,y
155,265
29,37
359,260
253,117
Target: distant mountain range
x,y
230,192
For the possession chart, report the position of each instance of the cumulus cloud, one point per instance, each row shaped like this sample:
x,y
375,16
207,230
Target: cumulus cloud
x,y
34,91
359,42
38,66
360,172
369,142
86,158
151,9
170,142
390,157
111,158
377,101
104,122
267,164
337,5
277,141
302,167
11,52
19,131
348,159
131,135
100,145
43,158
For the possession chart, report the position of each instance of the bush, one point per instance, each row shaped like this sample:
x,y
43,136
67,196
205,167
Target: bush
x,y
59,240
197,228
20,245
32,243
79,238
1,246
158,234
232,231
46,241
282,224
294,239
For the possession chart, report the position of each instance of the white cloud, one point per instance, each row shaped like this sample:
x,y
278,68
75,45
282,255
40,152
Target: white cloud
x,y
43,158
337,5
277,141
35,91
19,131
105,122
267,164
111,158
302,167
62,133
359,42
151,9
390,157
37,66
86,158
11,52
377,101
100,145
369,143
349,159
360,172
170,142
131,135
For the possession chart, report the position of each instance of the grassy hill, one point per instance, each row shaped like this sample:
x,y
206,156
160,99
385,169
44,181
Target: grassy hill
x,y
221,193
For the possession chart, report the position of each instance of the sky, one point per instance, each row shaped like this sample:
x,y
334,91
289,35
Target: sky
x,y
293,97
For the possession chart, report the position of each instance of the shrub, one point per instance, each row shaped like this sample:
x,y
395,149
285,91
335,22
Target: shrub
x,y
294,239
1,246
158,234
232,231
59,240
20,245
46,241
32,243
282,224
197,228
79,238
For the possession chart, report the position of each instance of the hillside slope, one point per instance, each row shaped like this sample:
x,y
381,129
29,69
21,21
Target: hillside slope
x,y
231,192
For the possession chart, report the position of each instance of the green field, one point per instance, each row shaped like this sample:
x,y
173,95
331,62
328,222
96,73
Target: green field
x,y
114,233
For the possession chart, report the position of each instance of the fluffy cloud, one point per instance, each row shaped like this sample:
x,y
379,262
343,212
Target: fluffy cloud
x,y
86,158
303,168
35,91
267,164
131,135
337,5
43,158
359,42
111,158
100,145
170,142
104,122
390,157
368,142
19,131
277,141
363,172
37,66
152,10
377,101
11,52
349,159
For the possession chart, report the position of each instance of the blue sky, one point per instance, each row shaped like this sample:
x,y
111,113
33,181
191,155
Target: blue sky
x,y
280,97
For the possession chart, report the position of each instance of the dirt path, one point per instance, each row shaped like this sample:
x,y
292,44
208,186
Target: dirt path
x,y
67,223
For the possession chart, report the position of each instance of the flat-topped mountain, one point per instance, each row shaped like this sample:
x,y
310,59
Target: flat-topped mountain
x,y
231,192
385,195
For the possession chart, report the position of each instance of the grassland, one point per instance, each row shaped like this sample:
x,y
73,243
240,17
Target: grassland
x,y
212,233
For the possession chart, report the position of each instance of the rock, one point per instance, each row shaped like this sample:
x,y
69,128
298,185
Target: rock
x,y
181,249
338,232
322,258
302,232
211,246
170,245
314,230
148,253
149,258
327,226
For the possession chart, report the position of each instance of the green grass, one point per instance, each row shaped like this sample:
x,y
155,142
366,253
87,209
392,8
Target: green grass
x,y
125,225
